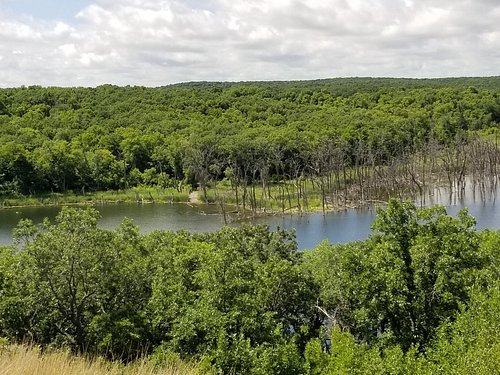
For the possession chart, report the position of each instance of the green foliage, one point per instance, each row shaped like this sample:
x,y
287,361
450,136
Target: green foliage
x,y
84,285
228,293
413,274
421,296
472,344
89,139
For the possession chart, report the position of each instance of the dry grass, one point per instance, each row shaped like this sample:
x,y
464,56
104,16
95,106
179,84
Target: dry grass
x,y
25,360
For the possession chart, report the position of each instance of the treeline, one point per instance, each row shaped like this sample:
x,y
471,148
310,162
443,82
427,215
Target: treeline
x,y
421,295
300,137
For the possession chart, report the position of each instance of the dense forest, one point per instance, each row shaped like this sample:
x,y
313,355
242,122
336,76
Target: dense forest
x,y
338,141
420,296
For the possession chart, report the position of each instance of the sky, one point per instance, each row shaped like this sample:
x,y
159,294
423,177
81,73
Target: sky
x,y
159,42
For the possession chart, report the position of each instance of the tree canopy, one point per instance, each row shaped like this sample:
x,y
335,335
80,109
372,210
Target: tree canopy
x,y
108,137
421,294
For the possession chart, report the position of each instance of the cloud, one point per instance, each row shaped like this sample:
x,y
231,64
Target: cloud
x,y
148,42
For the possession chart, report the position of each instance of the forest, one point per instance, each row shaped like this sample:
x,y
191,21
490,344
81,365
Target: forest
x,y
257,146
420,296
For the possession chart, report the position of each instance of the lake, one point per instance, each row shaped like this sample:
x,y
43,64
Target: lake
x,y
336,227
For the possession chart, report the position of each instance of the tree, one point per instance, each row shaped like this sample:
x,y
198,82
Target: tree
x,y
85,284
471,345
67,262
413,274
232,295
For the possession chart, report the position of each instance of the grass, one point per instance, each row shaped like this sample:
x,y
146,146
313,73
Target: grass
x,y
143,194
28,360
275,198
283,198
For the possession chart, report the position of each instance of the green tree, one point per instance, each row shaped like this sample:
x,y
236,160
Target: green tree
x,y
66,265
87,287
413,274
231,295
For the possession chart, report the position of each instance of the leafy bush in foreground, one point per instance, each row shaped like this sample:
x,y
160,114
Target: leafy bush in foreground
x,y
420,296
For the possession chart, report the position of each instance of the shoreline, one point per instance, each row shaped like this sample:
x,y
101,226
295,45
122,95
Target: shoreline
x,y
194,201
147,195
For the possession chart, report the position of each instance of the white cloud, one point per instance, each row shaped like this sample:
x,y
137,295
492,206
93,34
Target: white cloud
x,y
67,50
62,28
149,42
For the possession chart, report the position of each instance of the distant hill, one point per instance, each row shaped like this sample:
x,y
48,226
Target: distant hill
x,y
349,86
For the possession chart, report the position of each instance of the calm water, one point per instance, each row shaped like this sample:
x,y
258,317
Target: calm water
x,y
337,227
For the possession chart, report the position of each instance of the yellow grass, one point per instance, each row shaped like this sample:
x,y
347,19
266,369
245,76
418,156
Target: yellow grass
x,y
25,360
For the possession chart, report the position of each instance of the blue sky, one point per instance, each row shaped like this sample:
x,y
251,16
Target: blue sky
x,y
157,42
46,9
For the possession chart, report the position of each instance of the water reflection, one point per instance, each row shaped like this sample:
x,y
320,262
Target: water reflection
x,y
336,227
